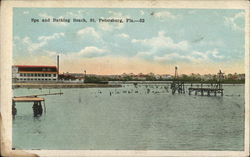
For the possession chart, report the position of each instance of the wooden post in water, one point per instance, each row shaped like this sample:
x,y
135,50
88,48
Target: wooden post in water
x,y
14,110
183,87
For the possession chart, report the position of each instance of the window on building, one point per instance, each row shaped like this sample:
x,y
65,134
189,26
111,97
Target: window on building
x,y
54,75
21,74
35,74
24,74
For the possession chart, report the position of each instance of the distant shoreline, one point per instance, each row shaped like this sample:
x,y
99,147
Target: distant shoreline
x,y
63,85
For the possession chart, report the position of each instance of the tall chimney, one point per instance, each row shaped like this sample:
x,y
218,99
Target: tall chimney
x,y
58,64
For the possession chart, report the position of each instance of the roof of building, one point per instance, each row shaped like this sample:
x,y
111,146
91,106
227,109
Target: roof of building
x,y
42,66
38,72
36,68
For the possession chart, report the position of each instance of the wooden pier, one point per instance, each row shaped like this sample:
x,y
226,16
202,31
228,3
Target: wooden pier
x,y
27,99
37,107
212,89
205,91
178,86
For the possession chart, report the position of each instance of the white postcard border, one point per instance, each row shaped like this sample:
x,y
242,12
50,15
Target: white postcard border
x,y
6,62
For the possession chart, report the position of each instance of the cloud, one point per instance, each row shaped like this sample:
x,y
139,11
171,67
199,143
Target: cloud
x,y
163,15
45,15
31,46
200,55
235,22
76,14
106,26
162,41
26,12
207,55
174,57
91,50
123,35
194,57
215,54
87,52
52,37
88,31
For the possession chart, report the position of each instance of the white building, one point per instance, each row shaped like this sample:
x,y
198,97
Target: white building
x,y
34,73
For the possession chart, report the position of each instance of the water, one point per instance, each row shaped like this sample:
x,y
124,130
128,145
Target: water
x,y
131,118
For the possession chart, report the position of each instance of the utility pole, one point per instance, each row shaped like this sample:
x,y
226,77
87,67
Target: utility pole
x,y
58,64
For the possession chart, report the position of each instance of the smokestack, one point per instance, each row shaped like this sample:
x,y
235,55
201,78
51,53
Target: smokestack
x,y
58,64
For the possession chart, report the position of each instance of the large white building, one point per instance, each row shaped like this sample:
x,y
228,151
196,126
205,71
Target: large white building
x,y
34,73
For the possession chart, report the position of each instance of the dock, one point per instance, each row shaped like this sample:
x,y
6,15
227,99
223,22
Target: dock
x,y
210,90
205,91
178,86
37,107
27,99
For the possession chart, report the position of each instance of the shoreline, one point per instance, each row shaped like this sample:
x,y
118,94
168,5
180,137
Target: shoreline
x,y
63,85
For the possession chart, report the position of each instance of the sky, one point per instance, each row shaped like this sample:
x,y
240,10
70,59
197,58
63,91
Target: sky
x,y
195,40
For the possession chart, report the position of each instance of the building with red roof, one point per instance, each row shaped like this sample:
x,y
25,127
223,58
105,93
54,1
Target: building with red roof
x,y
34,73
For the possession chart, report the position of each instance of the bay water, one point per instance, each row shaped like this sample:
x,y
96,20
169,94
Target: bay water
x,y
132,117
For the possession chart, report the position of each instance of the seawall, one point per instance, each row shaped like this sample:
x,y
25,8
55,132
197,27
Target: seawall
x,y
63,85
